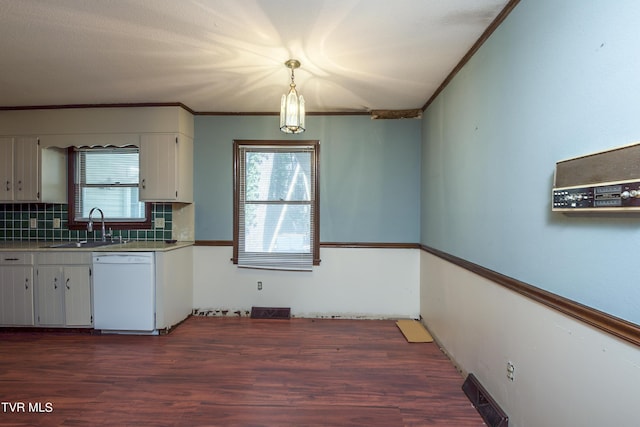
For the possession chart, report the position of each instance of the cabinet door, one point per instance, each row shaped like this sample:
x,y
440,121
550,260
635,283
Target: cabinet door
x,y
158,167
16,295
6,169
50,296
77,286
26,163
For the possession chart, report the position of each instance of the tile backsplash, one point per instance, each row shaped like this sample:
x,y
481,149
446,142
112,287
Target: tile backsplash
x,y
15,224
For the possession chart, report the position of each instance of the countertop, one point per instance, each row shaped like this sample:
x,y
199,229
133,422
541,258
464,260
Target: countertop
x,y
132,246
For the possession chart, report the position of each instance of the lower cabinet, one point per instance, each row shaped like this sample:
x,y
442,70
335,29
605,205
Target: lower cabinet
x,y
16,289
50,296
77,296
64,289
17,295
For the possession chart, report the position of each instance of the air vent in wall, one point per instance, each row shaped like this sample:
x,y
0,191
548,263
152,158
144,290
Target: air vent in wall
x,y
270,313
491,413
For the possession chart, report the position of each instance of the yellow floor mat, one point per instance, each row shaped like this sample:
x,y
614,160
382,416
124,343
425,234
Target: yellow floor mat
x,y
413,331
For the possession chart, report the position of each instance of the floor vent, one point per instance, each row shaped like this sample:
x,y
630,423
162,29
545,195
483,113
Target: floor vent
x,y
491,413
270,313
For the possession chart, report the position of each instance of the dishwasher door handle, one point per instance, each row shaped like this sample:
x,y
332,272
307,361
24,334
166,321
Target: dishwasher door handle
x,y
124,258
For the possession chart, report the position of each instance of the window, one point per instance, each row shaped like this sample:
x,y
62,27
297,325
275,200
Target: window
x,y
276,217
106,178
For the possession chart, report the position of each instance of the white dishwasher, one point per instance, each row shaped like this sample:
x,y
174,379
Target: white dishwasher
x,y
124,297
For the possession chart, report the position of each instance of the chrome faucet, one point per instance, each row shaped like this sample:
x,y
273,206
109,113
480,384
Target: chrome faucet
x,y
90,223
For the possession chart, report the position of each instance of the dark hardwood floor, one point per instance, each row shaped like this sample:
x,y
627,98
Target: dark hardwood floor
x,y
214,371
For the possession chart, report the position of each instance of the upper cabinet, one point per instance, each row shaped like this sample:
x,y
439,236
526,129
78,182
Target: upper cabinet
x,y
6,168
166,171
30,173
34,170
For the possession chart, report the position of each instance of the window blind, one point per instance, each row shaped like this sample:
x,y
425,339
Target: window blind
x,y
276,214
108,178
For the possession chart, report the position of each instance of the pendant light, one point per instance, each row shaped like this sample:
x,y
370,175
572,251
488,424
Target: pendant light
x,y
292,105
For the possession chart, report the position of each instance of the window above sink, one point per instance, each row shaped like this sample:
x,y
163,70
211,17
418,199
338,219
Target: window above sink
x,y
108,178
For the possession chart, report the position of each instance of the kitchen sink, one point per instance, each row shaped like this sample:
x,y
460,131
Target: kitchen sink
x,y
83,244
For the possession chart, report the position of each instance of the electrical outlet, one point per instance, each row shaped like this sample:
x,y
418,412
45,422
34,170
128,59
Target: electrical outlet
x,y
259,286
56,222
33,223
159,222
511,369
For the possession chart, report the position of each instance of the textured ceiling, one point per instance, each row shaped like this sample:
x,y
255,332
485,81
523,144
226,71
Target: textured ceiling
x,y
228,55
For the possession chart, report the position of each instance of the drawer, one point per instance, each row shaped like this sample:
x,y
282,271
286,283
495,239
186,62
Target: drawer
x,y
64,258
16,258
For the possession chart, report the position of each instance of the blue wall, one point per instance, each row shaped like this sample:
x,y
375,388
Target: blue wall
x,y
369,175
556,80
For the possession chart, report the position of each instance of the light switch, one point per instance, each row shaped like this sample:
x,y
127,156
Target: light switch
x,y
159,222
56,222
33,223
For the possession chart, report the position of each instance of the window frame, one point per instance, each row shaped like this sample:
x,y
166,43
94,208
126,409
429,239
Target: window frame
x,y
315,226
72,188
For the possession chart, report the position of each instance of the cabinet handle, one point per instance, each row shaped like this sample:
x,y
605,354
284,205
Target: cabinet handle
x,y
11,259
19,185
26,283
144,184
8,185
67,283
55,283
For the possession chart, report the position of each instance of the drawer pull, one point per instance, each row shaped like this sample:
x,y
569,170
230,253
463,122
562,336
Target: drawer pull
x,y
12,259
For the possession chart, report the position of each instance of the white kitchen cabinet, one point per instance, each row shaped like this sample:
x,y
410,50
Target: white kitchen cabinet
x,y
50,296
26,162
16,289
166,168
30,173
64,289
174,287
6,168
77,295
17,295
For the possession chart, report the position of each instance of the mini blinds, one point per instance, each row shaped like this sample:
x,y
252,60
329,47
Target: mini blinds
x,y
108,178
276,206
